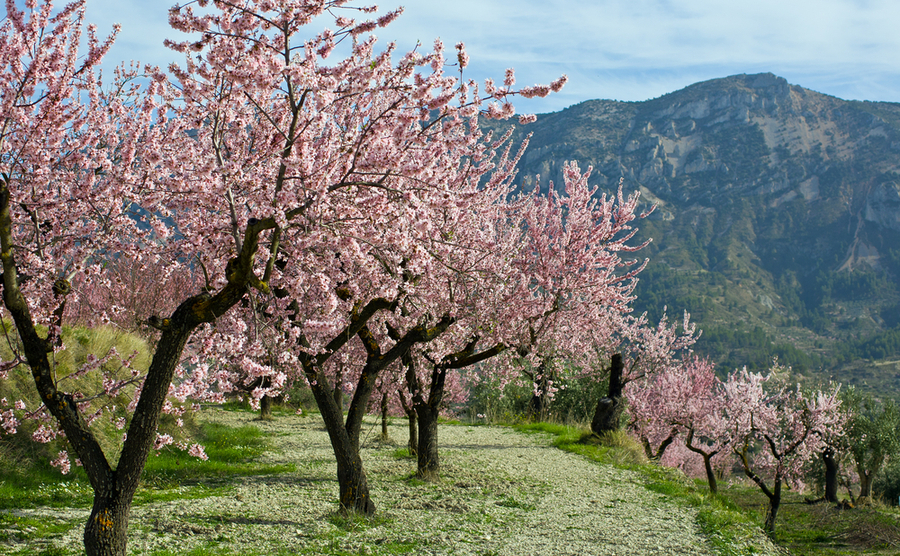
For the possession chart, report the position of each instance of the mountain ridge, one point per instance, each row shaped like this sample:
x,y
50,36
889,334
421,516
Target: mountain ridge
x,y
778,211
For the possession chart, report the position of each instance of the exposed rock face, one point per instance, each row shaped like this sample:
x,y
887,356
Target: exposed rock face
x,y
883,205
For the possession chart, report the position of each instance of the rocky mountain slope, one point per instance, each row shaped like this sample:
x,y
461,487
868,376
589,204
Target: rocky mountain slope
x,y
778,217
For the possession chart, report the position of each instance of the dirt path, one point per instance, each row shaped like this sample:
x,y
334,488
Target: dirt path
x,y
502,493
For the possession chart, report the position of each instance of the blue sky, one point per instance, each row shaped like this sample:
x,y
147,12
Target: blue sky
x,y
619,49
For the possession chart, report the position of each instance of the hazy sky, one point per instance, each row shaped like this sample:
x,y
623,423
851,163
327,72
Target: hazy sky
x,y
619,49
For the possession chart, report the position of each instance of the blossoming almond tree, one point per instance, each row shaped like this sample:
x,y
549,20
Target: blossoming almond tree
x,y
84,179
774,429
639,351
374,172
669,402
685,398
560,266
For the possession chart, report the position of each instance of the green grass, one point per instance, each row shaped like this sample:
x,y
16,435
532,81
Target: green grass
x,y
232,452
171,474
822,529
403,453
26,486
27,528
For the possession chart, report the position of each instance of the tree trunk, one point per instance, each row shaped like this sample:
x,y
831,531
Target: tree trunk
x,y
338,392
265,401
535,407
710,474
413,443
772,511
865,484
352,484
648,450
106,531
707,461
384,415
609,409
265,408
429,464
831,474
539,403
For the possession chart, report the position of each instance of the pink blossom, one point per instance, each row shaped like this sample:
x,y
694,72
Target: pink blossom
x,y
197,451
8,421
162,440
461,55
62,462
44,434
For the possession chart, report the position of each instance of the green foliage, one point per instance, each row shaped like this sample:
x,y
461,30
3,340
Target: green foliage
x,y
873,430
736,347
887,483
488,402
574,401
822,529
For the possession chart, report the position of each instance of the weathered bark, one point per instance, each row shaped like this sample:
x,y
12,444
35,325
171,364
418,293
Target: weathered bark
x,y
106,531
344,435
831,474
413,443
865,483
428,459
648,449
353,486
707,461
338,392
608,414
265,408
426,409
384,417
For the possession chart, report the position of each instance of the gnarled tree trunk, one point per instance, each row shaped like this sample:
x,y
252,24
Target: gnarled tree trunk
x,y
648,449
413,443
831,474
344,435
353,486
608,414
384,417
707,461
865,484
429,463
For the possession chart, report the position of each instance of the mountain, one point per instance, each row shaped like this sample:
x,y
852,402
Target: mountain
x,y
778,216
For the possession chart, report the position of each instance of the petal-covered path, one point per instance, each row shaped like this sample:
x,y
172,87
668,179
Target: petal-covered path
x,y
502,493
